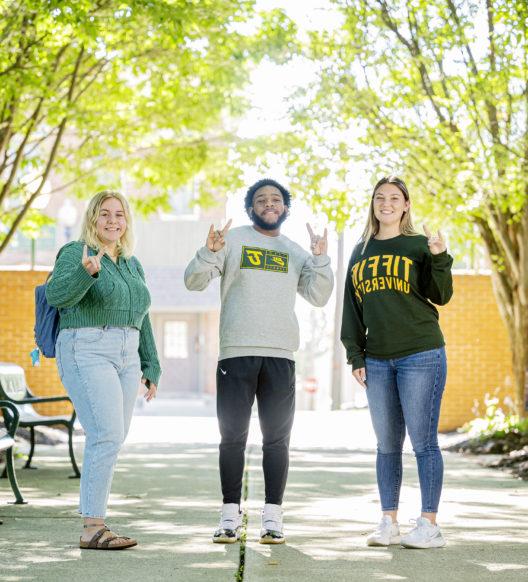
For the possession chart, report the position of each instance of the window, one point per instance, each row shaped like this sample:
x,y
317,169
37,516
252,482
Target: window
x,y
175,340
181,202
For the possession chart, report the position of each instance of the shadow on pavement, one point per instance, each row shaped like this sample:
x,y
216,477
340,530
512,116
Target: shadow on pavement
x,y
166,496
166,493
331,505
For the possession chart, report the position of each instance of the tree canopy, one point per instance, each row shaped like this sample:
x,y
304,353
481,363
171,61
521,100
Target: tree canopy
x,y
88,89
436,92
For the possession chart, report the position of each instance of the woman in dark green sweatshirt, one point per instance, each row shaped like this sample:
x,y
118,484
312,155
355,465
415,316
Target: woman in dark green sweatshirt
x,y
394,343
105,346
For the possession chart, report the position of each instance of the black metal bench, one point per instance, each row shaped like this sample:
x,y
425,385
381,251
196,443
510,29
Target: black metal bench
x,y
14,389
7,442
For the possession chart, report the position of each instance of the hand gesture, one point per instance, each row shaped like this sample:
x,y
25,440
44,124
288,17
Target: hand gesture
x,y
92,264
318,244
436,243
151,390
215,238
361,376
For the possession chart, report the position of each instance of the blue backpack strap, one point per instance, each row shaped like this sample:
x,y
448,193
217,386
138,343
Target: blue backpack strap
x,y
47,317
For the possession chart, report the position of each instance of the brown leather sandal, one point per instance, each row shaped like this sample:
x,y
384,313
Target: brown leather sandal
x,y
96,544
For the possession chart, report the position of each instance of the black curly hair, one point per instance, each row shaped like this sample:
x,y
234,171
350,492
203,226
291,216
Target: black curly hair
x,y
248,200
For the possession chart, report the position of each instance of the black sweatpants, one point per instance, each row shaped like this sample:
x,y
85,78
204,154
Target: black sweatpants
x,y
238,381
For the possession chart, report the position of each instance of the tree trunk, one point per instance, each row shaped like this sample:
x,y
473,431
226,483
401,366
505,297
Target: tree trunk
x,y
506,240
519,347
514,313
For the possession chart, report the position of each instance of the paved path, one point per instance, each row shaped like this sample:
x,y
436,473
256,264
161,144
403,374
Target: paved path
x,y
166,494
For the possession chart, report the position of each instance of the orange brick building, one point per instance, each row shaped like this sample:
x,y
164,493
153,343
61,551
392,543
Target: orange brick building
x,y
477,343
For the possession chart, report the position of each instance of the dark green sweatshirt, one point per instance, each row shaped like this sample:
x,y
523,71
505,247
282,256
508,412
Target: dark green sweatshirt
x,y
387,309
116,296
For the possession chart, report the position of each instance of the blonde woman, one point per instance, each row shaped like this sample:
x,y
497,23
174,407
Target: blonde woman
x,y
105,346
395,346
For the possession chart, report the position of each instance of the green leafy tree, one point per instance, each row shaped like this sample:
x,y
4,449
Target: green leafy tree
x,y
438,92
89,89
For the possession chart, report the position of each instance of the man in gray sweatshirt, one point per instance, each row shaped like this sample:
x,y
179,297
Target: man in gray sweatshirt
x,y
261,272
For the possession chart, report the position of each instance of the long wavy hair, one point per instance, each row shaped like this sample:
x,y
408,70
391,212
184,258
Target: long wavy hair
x,y
372,227
125,245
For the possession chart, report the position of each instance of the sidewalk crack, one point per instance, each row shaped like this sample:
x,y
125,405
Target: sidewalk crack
x,y
239,576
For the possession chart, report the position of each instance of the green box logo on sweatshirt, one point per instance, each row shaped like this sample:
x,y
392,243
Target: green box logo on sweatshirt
x,y
263,259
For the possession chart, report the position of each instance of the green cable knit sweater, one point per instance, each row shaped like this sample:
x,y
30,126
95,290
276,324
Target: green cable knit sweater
x,y
116,296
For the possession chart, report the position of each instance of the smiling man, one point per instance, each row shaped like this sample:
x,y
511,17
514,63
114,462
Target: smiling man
x,y
261,272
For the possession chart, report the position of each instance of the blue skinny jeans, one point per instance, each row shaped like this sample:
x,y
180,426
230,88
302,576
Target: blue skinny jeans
x,y
406,393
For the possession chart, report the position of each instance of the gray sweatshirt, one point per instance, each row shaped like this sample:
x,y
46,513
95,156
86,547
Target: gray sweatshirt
x,y
260,278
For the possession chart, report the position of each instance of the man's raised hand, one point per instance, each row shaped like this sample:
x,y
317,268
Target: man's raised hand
x,y
92,264
318,244
215,238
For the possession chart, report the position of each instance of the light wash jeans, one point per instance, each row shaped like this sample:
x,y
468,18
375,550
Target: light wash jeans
x,y
100,369
407,392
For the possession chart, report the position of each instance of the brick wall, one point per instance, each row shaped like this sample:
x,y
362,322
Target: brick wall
x,y
477,343
17,318
478,350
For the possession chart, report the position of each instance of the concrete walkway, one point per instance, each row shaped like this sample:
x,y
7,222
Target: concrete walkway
x,y
166,493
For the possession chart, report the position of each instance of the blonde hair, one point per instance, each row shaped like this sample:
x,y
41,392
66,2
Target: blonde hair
x,y
372,226
125,245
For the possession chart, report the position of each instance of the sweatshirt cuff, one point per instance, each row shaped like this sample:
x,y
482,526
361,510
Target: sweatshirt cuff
x,y
443,259
357,362
208,255
152,373
320,260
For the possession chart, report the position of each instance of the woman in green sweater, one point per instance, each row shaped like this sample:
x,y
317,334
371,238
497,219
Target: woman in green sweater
x,y
105,346
394,343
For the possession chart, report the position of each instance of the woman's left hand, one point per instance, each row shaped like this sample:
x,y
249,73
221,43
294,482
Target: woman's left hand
x,y
151,390
436,243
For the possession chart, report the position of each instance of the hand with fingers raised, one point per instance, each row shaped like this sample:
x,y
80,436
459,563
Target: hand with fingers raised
x,y
436,242
215,238
318,244
92,264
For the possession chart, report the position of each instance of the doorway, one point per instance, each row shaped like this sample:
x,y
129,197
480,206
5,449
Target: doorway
x,y
178,340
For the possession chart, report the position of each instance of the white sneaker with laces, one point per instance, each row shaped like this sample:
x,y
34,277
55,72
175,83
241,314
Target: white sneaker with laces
x,y
228,531
387,534
271,531
423,536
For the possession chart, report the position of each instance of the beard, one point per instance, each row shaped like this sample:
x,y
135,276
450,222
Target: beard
x,y
258,221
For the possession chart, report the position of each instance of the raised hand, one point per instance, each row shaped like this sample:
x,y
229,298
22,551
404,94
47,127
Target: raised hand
x,y
436,242
215,239
318,244
92,264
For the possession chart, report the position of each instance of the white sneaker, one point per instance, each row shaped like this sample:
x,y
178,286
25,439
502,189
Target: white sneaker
x,y
424,535
271,531
388,533
228,531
